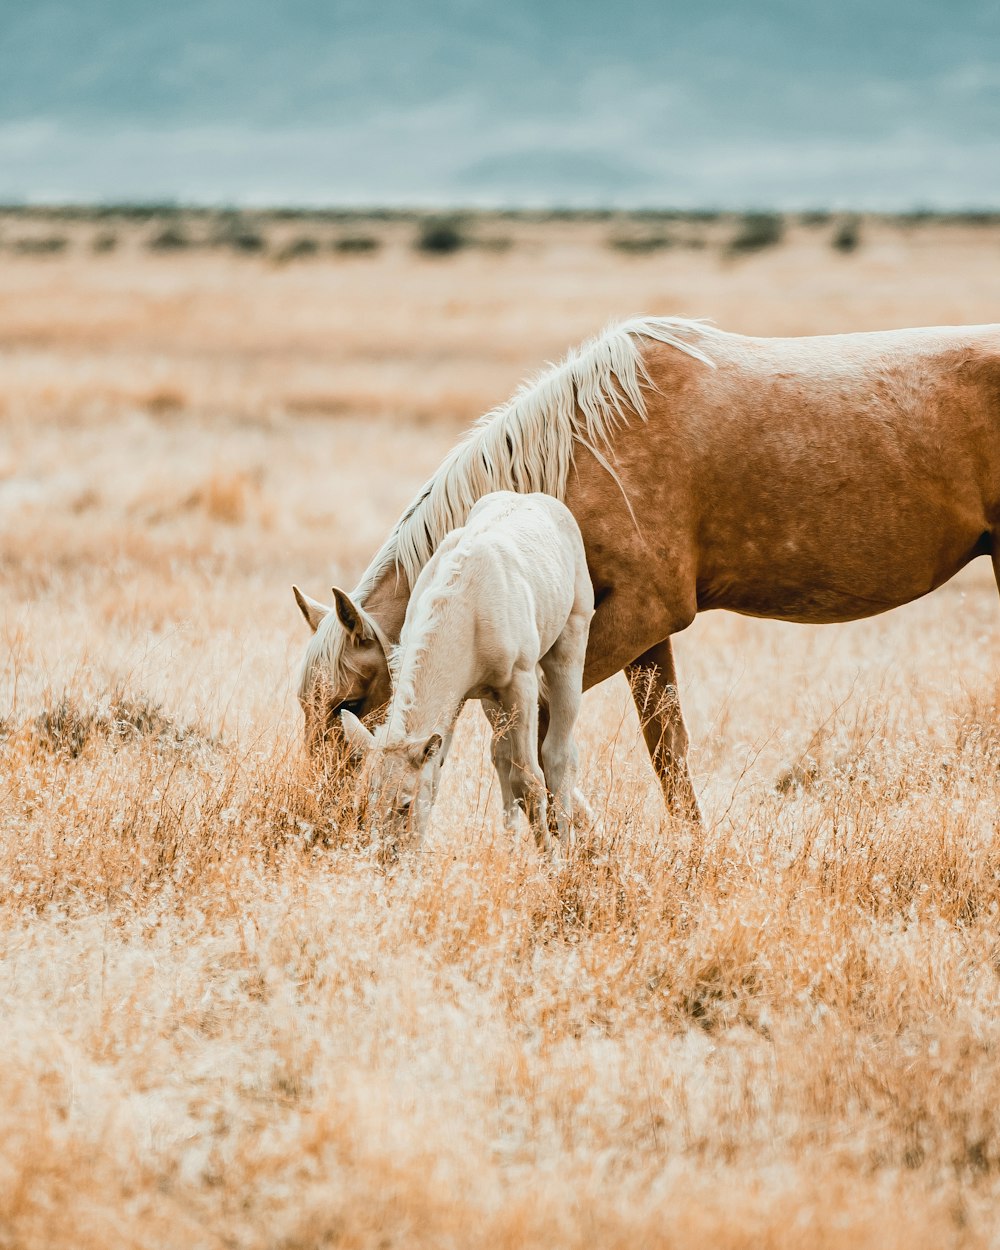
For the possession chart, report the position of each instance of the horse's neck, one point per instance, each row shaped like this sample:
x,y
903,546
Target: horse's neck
x,y
434,674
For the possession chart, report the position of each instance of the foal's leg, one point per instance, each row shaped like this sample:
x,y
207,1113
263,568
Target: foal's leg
x,y
500,754
653,679
520,702
563,669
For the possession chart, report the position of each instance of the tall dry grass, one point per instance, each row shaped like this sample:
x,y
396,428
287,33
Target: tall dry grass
x,y
226,1022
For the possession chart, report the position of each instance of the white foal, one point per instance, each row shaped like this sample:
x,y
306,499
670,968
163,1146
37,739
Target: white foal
x,y
503,600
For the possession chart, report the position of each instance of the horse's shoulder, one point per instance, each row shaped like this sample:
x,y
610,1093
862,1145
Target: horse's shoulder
x,y
971,367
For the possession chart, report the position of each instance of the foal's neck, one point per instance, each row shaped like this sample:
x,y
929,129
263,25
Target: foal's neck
x,y
434,673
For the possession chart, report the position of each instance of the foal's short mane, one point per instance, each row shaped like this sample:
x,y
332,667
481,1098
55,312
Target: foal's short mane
x,y
434,603
524,445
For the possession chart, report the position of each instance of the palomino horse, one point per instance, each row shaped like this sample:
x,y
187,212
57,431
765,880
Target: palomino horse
x,y
806,479
505,598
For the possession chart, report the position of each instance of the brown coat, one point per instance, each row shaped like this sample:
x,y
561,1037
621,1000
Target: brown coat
x,y
811,479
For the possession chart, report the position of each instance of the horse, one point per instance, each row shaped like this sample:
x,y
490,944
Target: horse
x,y
502,606
815,479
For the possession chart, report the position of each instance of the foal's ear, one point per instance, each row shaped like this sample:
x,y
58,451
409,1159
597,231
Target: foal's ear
x,y
359,739
421,752
350,616
310,609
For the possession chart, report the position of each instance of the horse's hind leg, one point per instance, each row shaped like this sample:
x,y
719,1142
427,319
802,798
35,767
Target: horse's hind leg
x,y
500,755
563,669
653,679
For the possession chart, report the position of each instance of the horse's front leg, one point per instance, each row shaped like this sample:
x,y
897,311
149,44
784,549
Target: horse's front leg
x,y
563,669
653,679
520,702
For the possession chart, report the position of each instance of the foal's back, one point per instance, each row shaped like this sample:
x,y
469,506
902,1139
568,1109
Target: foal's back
x,y
518,562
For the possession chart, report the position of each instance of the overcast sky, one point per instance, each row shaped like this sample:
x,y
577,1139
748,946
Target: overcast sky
x,y
891,104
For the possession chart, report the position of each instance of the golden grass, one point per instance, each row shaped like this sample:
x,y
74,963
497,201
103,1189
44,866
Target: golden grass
x,y
225,1023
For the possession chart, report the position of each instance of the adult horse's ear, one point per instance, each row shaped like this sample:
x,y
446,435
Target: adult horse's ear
x,y
350,616
421,752
359,739
310,609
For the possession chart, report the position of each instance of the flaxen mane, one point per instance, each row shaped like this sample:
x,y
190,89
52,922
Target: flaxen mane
x,y
524,445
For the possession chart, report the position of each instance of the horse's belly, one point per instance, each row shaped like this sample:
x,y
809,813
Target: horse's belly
x,y
817,591
814,605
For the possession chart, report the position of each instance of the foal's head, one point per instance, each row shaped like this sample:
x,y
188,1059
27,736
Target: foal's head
x,y
402,776
345,669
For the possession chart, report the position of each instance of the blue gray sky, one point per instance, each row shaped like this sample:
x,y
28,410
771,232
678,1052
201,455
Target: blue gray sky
x,y
882,104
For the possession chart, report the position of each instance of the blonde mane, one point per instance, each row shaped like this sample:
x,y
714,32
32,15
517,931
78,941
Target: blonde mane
x,y
524,445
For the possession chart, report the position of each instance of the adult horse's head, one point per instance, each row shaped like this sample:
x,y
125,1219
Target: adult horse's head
x,y
345,667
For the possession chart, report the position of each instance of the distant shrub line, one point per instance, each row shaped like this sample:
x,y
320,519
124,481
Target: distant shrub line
x,y
271,235
251,240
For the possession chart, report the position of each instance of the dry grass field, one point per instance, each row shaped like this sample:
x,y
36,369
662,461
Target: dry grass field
x,y
224,1024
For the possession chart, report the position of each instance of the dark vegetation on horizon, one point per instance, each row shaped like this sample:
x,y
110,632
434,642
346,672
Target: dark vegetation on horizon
x,y
286,235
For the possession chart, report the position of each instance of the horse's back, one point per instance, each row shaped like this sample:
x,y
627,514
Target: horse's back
x,y
827,477
841,368
526,568
532,531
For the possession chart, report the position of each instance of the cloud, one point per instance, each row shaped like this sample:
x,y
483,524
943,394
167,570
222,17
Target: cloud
x,y
449,153
546,175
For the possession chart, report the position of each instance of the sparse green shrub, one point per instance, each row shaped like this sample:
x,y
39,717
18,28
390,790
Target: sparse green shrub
x,y
170,239
976,217
440,236
356,244
757,231
847,236
46,245
104,242
232,231
246,241
298,249
640,244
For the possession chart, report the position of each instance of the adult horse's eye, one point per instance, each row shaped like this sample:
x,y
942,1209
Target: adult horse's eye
x,y
333,721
